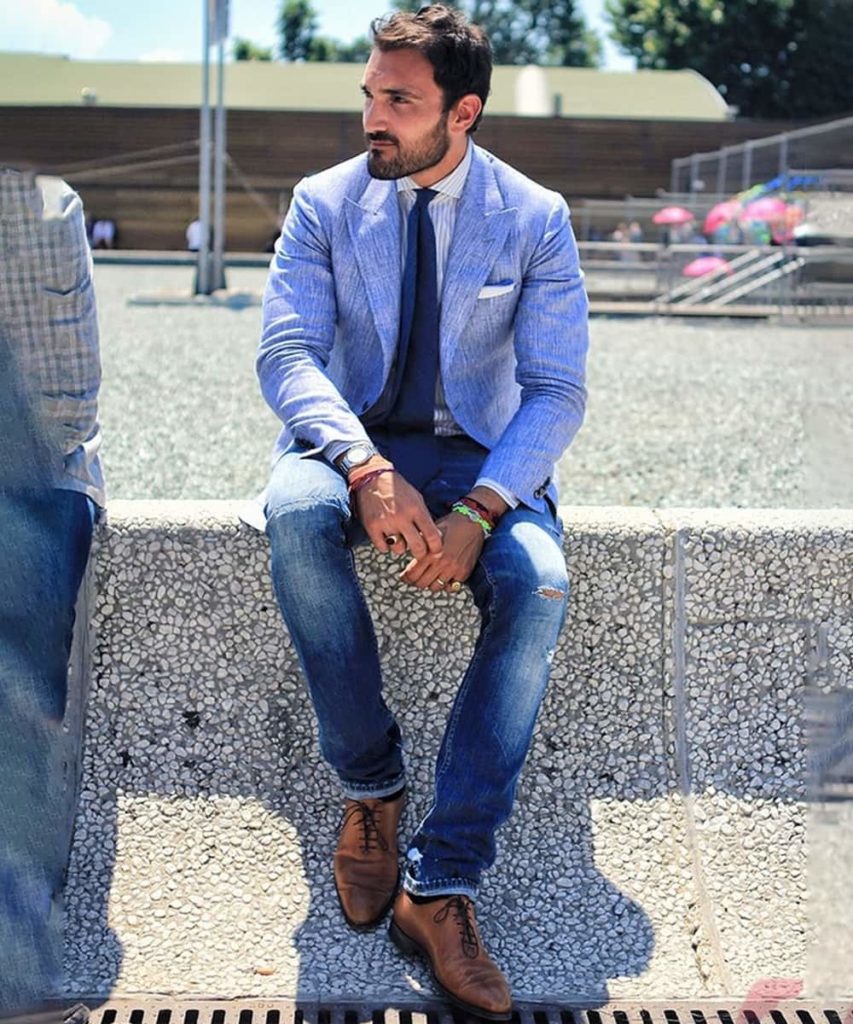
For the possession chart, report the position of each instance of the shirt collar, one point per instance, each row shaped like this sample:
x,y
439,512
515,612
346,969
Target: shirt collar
x,y
451,184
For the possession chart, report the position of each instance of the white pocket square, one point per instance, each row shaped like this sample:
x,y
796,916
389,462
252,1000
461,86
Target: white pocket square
x,y
492,291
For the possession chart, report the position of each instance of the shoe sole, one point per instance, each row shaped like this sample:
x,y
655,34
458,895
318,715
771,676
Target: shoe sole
x,y
409,947
366,926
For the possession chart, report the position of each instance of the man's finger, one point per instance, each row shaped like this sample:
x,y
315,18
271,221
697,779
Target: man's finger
x,y
431,534
415,542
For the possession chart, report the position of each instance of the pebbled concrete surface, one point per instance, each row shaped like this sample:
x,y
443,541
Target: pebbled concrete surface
x,y
658,845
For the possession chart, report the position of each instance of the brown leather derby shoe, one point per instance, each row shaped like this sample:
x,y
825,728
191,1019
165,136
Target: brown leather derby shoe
x,y
444,932
366,870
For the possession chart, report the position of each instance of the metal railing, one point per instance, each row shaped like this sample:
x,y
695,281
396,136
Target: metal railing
x,y
818,279
734,168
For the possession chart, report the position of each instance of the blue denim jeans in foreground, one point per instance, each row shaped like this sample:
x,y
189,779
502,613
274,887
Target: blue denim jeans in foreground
x,y
520,587
45,536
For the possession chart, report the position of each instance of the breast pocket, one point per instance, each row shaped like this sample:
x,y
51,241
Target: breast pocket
x,y
496,290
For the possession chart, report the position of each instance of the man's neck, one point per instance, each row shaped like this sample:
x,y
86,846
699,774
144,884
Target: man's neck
x,y
451,160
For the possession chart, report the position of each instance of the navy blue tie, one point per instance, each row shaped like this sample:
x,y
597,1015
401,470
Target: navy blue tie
x,y
410,422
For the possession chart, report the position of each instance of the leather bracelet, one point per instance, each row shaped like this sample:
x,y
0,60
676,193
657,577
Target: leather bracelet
x,y
473,515
476,506
361,481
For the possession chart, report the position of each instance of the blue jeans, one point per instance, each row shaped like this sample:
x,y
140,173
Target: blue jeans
x,y
520,587
45,536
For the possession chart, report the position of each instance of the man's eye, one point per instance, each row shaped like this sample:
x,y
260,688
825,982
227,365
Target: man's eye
x,y
398,99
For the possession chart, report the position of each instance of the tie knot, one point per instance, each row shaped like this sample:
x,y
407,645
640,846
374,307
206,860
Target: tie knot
x,y
424,196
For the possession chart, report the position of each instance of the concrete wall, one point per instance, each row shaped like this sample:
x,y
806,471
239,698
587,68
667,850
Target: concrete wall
x,y
658,847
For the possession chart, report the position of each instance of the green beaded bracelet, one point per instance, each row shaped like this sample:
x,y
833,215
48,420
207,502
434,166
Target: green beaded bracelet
x,y
475,517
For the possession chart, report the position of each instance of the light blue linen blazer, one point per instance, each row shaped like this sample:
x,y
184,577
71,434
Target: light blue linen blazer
x,y
513,329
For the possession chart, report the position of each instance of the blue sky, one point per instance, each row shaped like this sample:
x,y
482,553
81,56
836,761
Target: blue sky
x,y
171,29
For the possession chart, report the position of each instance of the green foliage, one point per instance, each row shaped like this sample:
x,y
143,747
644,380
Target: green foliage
x,y
297,29
550,32
536,31
768,58
245,49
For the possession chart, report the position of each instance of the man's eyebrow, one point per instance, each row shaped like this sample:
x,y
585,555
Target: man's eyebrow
x,y
392,91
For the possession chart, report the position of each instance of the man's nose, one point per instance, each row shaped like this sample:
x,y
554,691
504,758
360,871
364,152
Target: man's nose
x,y
372,118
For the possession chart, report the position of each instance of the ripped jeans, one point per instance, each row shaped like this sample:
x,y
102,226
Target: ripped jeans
x,y
520,587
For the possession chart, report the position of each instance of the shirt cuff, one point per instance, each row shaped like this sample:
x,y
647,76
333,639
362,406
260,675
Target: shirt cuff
x,y
501,492
335,449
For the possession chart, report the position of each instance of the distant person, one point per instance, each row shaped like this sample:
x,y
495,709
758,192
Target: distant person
x,y
620,235
194,235
50,489
104,234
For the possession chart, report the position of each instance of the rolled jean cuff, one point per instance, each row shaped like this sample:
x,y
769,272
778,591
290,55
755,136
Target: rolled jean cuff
x,y
374,791
440,886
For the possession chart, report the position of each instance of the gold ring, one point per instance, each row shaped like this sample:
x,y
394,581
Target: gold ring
x,y
454,586
391,539
440,581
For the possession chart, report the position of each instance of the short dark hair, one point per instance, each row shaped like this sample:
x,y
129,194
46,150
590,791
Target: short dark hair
x,y
460,52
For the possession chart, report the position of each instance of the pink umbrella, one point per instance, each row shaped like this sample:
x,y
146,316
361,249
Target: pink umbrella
x,y
768,208
721,214
705,265
672,215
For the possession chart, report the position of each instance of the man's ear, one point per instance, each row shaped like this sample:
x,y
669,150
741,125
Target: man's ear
x,y
465,112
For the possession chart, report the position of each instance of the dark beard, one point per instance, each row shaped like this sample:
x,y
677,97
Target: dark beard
x,y
425,154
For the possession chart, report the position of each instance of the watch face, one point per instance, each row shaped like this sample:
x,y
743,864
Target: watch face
x,y
356,455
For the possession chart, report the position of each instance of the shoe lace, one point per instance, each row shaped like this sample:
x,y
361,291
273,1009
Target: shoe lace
x,y
366,819
463,914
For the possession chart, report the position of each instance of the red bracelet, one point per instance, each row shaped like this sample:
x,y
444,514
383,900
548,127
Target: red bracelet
x,y
360,481
476,506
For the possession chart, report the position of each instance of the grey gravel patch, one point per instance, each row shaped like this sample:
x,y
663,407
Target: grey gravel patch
x,y
680,414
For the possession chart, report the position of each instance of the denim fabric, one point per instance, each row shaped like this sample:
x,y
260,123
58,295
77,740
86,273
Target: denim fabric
x,y
520,587
45,536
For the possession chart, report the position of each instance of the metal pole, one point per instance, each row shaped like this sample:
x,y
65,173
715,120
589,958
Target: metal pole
x,y
202,283
722,170
746,178
694,172
218,276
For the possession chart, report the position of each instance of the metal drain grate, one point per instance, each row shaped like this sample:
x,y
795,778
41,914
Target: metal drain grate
x,y
163,1010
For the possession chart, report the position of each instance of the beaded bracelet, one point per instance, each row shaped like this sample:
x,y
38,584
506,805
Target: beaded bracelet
x,y
474,516
361,481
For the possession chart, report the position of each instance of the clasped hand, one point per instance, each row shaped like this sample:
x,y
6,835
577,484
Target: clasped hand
x,y
442,552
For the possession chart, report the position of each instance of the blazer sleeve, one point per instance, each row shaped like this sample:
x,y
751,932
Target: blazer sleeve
x,y
550,340
299,320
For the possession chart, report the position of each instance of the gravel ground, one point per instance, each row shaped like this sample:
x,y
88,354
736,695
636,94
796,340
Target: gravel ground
x,y
680,414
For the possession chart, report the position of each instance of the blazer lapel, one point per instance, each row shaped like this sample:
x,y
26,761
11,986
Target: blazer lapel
x,y
374,225
482,225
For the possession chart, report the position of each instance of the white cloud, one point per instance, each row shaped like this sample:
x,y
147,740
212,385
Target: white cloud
x,y
163,55
52,26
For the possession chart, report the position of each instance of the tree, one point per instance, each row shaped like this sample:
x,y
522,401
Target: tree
x,y
297,29
245,49
549,32
768,58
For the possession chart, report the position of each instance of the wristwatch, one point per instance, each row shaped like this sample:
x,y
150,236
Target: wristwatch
x,y
357,455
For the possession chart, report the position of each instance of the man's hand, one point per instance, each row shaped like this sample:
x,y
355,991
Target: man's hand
x,y
462,547
388,506
463,543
